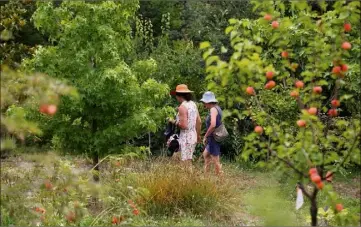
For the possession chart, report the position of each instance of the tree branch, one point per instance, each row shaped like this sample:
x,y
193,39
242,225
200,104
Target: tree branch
x,y
303,190
291,165
346,156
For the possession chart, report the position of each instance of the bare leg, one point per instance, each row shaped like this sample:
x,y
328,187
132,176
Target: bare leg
x,y
207,160
217,164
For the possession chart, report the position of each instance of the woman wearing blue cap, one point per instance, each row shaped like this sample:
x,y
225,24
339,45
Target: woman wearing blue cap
x,y
214,119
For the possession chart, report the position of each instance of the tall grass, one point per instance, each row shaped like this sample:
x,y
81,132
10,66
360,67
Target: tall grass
x,y
176,188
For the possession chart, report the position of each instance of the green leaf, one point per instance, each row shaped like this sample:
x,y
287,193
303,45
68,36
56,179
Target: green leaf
x,y
6,35
211,59
207,53
346,97
204,45
344,15
232,21
229,29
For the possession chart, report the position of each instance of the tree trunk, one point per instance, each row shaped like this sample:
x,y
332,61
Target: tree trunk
x,y
314,212
149,142
95,155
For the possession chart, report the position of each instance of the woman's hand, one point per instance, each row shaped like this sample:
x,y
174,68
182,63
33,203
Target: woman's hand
x,y
199,139
205,141
171,121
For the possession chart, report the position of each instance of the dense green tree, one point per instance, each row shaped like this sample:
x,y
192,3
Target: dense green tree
x,y
118,102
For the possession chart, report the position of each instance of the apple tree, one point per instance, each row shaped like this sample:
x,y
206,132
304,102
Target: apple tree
x,y
291,70
20,93
119,100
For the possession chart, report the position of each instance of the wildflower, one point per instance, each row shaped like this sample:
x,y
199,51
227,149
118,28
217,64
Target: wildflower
x,y
70,217
48,185
115,220
131,203
135,211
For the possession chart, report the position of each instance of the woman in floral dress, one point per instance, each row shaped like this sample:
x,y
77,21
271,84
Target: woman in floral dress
x,y
189,122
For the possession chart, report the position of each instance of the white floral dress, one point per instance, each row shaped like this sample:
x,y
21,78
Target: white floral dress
x,y
188,137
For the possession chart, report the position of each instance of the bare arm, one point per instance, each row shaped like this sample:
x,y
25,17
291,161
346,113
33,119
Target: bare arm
x,y
198,127
183,117
211,128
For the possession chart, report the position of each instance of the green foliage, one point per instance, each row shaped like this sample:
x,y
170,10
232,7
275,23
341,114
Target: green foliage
x,y
205,21
313,41
180,63
17,34
118,102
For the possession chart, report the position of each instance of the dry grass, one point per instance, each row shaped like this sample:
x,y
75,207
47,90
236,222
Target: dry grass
x,y
174,188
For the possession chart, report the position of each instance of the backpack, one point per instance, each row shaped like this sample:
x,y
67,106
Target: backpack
x,y
173,145
171,138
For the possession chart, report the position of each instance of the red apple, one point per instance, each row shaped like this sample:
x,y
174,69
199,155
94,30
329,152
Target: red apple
x,y
250,91
335,103
339,207
344,67
269,75
316,178
268,17
52,109
284,54
299,84
347,27
320,185
317,90
332,113
346,46
270,84
294,94
43,109
336,70
258,129
275,24
312,110
301,123
312,171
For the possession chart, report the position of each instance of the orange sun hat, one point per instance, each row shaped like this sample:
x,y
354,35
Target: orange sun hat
x,y
181,88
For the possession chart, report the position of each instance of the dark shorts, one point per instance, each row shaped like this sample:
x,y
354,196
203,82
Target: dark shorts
x,y
213,147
